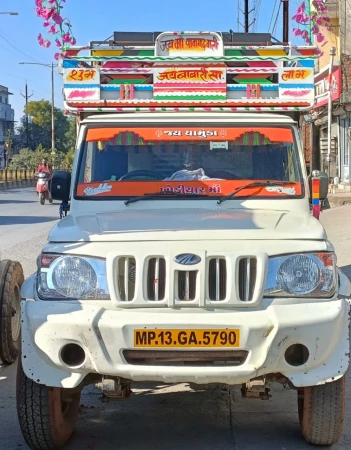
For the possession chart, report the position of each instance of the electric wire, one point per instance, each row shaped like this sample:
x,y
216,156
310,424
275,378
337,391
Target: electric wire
x,y
271,21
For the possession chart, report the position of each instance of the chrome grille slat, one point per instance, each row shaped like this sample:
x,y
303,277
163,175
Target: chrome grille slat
x,y
217,279
126,278
156,279
246,281
186,285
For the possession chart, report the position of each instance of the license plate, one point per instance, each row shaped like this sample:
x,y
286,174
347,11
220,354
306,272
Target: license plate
x,y
187,338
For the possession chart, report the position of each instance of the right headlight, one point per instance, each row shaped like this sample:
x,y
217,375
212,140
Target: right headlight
x,y
71,277
302,275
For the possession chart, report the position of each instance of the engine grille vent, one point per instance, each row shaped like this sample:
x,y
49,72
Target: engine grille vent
x,y
217,279
156,279
186,285
247,275
126,278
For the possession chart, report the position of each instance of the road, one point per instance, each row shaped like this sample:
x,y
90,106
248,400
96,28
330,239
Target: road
x,y
159,417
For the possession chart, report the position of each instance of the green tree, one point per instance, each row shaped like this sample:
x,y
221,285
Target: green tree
x,y
8,146
39,127
71,134
29,159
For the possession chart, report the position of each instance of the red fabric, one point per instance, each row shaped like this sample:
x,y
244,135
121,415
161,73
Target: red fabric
x,y
43,169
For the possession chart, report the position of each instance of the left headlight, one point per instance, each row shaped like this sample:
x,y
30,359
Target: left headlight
x,y
302,275
71,277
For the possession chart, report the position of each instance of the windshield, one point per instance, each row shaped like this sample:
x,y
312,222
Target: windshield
x,y
126,162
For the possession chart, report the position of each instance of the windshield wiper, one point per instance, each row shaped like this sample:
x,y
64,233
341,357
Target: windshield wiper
x,y
253,184
160,194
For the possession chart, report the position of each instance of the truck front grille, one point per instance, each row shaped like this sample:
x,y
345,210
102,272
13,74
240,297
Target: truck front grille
x,y
175,358
217,281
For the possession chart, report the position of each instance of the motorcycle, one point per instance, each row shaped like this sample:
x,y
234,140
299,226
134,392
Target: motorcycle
x,y
42,188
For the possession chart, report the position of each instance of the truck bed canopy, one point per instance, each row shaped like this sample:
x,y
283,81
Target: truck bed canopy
x,y
187,71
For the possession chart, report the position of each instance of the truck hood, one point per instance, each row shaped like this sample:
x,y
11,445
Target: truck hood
x,y
187,224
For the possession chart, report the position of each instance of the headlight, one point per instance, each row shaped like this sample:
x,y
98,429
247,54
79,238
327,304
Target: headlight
x,y
304,275
72,277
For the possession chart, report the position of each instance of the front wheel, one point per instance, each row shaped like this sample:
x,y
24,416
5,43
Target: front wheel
x,y
41,198
47,415
11,280
322,412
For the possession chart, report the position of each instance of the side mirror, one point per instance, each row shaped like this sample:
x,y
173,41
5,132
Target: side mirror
x,y
324,183
61,185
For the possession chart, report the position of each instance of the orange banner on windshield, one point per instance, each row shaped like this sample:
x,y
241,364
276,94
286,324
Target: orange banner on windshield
x,y
207,187
281,135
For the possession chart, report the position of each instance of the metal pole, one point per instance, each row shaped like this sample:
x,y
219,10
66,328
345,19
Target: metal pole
x,y
246,12
330,105
53,152
285,21
27,123
26,96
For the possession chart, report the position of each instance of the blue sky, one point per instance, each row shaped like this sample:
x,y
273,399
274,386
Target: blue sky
x,y
95,20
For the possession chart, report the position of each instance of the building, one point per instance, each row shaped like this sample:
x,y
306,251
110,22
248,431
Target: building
x,y
339,162
7,117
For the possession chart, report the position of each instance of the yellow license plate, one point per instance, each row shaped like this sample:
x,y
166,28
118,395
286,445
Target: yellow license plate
x,y
187,338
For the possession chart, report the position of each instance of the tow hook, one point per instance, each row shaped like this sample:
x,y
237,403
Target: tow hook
x,y
114,390
256,389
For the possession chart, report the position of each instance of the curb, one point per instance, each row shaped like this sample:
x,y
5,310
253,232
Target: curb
x,y
16,184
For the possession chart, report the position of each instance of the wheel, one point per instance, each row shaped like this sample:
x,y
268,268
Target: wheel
x,y
11,280
41,198
322,412
47,415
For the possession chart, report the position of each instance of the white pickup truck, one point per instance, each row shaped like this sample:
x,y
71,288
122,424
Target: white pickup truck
x,y
189,253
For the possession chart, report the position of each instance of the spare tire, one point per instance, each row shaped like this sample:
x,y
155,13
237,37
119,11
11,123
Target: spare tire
x,y
11,280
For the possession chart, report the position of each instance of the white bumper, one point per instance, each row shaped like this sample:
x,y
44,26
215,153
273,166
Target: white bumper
x,y
265,332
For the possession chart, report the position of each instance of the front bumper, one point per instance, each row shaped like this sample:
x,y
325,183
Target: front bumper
x,y
265,332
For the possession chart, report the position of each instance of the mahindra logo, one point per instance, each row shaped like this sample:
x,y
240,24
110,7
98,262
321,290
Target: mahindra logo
x,y
187,259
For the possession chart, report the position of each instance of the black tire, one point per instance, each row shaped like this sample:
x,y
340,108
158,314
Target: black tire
x,y
46,421
322,412
11,280
41,198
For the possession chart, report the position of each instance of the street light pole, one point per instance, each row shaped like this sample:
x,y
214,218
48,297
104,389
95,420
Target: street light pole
x,y
51,66
53,152
330,105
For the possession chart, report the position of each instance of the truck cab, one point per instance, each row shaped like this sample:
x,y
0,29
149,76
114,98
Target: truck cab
x,y
190,252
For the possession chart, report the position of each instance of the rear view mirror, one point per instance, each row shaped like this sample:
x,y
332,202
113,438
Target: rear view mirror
x,y
61,185
324,183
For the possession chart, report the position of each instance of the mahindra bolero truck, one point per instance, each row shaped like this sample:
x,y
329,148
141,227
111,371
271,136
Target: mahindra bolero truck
x,y
190,250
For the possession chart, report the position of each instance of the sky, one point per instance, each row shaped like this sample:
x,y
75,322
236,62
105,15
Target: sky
x,y
97,20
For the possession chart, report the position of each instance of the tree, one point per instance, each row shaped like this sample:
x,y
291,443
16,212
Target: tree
x,y
8,147
29,159
39,126
71,134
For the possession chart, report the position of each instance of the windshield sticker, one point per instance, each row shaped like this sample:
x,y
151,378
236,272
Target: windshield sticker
x,y
282,190
279,135
103,188
182,189
200,187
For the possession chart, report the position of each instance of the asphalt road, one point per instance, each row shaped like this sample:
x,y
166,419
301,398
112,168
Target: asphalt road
x,y
159,417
